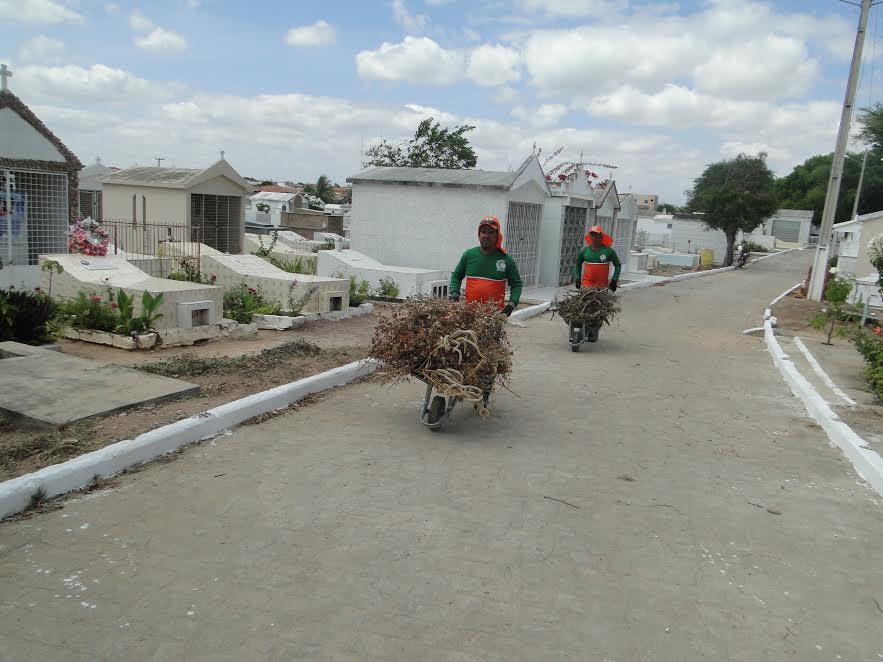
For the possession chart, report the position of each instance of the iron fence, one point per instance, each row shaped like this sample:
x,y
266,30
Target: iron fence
x,y
161,250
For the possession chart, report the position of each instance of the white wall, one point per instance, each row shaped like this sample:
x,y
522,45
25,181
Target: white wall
x,y
411,281
689,236
426,227
19,140
164,205
550,241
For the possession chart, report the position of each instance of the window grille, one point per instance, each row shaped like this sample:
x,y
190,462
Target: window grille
x,y
34,215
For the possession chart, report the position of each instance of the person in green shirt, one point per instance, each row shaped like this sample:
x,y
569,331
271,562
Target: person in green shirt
x,y
487,269
593,262
593,267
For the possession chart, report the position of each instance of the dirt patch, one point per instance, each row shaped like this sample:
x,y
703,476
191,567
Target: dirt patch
x,y
225,371
795,314
867,421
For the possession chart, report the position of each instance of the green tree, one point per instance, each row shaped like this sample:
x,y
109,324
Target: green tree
x,y
735,195
431,147
667,208
323,190
871,122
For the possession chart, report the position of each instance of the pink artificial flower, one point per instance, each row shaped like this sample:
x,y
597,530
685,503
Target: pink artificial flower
x,y
878,330
95,299
114,306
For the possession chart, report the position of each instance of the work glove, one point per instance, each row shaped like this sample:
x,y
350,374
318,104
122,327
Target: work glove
x,y
508,309
578,284
613,285
454,297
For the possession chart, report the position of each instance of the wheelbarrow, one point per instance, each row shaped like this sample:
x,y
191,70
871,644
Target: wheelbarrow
x,y
438,406
581,333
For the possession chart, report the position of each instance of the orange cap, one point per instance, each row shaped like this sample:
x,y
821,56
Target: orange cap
x,y
606,239
494,222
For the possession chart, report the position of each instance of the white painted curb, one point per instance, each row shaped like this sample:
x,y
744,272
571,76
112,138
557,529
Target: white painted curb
x,y
79,471
867,463
820,371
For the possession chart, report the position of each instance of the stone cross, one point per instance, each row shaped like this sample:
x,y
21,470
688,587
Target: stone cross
x,y
222,154
5,74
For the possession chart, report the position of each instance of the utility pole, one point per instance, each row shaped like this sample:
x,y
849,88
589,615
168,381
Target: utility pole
x,y
820,264
858,191
159,160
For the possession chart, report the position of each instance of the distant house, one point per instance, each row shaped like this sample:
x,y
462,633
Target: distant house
x,y
853,256
209,202
91,189
789,226
426,217
275,204
38,192
646,202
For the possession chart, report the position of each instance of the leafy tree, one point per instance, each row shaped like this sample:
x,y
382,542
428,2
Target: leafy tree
x,y
267,182
667,208
323,190
871,122
736,194
431,147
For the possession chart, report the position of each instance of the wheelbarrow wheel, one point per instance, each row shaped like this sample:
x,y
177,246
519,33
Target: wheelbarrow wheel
x,y
436,413
574,347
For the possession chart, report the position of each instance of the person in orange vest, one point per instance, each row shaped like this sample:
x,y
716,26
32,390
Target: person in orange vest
x,y
487,269
593,267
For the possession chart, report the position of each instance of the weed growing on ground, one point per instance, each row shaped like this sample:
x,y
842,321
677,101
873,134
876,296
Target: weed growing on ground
x,y
192,365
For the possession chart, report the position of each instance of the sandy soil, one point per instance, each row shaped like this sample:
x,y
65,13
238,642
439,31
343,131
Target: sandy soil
x,y
341,342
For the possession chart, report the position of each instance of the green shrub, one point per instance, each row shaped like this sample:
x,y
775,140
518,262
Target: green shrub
x,y
88,311
871,349
836,293
359,291
25,316
241,303
264,251
388,289
297,265
753,247
329,245
143,323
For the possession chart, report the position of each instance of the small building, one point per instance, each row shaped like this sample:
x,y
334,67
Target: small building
x,y
274,204
427,217
646,202
853,256
90,194
567,215
38,190
790,226
210,203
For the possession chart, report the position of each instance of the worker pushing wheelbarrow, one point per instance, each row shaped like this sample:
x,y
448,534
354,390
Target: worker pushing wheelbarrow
x,y
593,303
457,348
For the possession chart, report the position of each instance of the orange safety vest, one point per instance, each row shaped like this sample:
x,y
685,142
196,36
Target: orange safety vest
x,y
486,289
596,274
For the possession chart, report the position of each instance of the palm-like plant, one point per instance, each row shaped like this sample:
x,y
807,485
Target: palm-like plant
x,y
323,189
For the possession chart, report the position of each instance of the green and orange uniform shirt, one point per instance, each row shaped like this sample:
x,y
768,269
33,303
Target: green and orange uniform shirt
x,y
487,276
593,266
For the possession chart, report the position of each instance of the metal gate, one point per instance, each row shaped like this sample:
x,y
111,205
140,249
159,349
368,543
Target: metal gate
x,y
34,216
786,230
522,238
573,232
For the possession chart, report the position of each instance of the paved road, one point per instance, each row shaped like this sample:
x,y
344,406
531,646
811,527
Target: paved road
x,y
617,510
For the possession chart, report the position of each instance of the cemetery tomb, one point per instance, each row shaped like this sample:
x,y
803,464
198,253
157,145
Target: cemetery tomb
x,y
275,284
185,304
411,281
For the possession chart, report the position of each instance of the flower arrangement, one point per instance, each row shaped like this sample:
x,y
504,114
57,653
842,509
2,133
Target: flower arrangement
x,y
87,237
875,253
568,173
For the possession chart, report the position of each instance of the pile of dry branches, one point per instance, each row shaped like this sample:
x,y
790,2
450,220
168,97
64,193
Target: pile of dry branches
x,y
460,348
587,306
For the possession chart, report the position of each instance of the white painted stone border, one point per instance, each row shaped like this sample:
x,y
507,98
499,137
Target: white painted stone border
x,y
532,311
867,463
110,460
820,371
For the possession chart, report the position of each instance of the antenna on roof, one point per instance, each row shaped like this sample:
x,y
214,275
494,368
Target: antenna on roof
x,y
159,160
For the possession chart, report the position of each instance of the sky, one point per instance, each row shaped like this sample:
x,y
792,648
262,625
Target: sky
x,y
291,89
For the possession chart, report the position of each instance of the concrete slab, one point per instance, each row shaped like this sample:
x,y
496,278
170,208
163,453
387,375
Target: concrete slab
x,y
46,388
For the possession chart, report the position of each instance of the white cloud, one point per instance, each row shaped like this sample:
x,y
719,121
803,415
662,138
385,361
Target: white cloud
x,y
111,8
41,50
139,22
573,8
417,60
99,84
320,33
438,3
494,65
37,11
162,41
411,23
546,115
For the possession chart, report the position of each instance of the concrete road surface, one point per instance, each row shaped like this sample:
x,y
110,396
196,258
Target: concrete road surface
x,y
659,496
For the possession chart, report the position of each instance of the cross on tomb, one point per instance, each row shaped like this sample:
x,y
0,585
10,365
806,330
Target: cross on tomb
x,y
5,74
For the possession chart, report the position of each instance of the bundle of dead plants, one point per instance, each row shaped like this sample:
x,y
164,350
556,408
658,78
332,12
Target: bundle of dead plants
x,y
587,306
460,348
